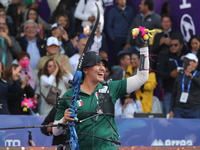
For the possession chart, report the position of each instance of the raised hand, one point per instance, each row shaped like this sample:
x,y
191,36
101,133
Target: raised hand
x,y
174,73
142,36
25,81
64,35
56,68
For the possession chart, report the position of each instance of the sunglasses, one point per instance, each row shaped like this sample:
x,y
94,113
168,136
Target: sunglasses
x,y
175,45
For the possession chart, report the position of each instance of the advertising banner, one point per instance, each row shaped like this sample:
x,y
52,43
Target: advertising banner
x,y
132,131
185,14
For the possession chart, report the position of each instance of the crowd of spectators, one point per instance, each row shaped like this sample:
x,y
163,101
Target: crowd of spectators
x,y
35,54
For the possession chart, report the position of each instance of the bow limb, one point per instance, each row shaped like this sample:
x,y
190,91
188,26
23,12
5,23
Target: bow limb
x,y
89,39
76,84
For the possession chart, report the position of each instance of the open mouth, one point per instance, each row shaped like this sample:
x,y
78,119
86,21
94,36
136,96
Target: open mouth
x,y
100,74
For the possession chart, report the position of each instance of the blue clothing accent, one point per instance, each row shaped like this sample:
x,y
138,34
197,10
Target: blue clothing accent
x,y
166,102
119,21
186,113
82,35
3,59
33,51
40,44
6,87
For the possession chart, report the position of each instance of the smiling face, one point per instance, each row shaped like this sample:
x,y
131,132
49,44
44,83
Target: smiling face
x,y
63,21
135,60
95,73
30,30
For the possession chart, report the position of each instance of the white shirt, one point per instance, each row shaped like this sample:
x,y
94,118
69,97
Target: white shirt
x,y
73,60
84,11
45,84
129,110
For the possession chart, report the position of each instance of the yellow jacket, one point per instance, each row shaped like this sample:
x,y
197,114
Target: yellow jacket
x,y
61,59
130,71
145,93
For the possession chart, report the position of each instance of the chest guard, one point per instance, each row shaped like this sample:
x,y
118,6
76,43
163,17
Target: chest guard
x,y
105,103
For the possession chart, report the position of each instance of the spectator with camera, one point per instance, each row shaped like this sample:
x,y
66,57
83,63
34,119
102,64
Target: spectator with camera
x,y
162,40
185,99
168,68
58,31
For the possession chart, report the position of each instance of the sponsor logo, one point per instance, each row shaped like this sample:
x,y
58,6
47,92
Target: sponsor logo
x,y
185,5
12,142
187,27
168,142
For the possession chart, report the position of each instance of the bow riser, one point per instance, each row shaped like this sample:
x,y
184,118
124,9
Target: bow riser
x,y
76,84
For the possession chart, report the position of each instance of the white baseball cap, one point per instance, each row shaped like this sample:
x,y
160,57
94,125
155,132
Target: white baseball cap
x,y
56,25
190,56
52,41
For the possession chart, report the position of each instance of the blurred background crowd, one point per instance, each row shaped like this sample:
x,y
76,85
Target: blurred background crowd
x,y
37,55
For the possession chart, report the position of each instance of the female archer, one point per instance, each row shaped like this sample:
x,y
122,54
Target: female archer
x,y
97,97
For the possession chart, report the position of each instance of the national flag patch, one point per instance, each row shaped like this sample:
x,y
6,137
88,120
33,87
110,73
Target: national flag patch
x,y
80,103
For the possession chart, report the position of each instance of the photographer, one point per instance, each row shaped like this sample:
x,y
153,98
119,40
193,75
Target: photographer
x,y
185,99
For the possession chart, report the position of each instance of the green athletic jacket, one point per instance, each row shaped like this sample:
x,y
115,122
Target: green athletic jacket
x,y
95,126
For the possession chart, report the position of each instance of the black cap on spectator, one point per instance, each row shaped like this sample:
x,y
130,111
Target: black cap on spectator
x,y
123,52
